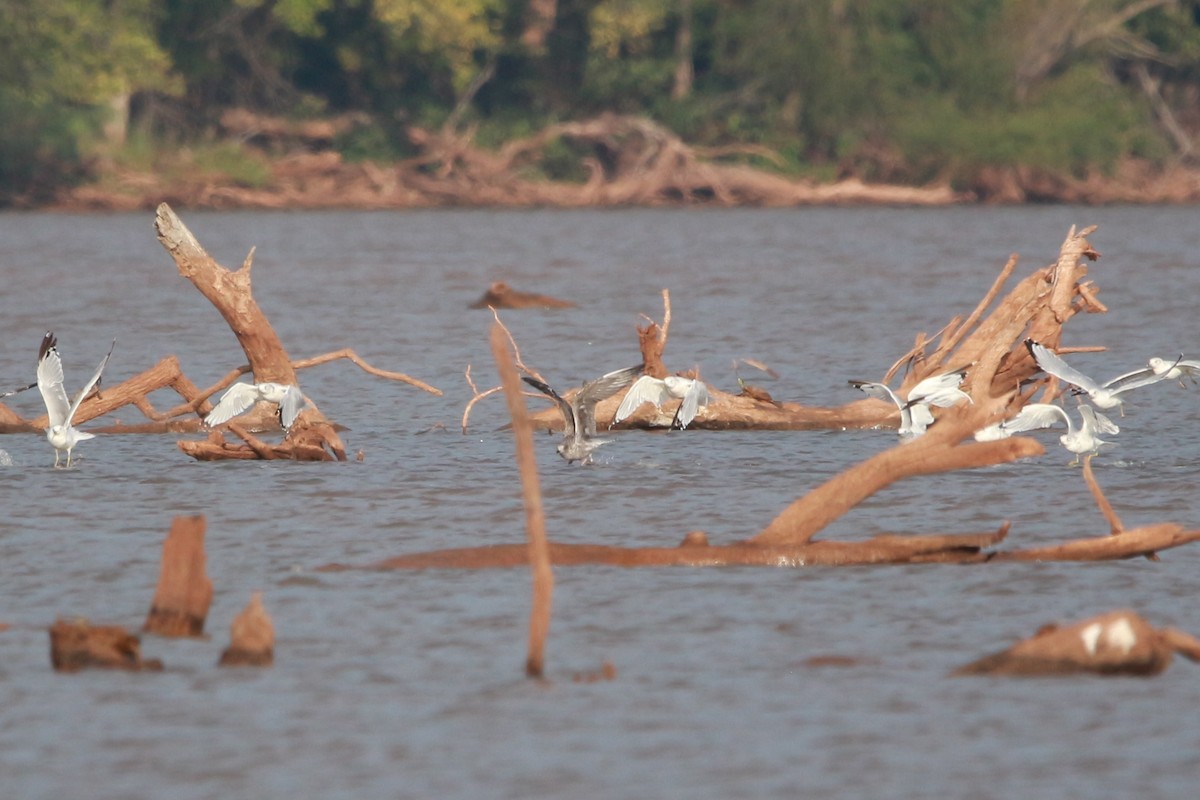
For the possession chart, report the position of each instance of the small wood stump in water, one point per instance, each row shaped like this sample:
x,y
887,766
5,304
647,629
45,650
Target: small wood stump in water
x,y
252,637
501,295
184,589
76,645
1115,643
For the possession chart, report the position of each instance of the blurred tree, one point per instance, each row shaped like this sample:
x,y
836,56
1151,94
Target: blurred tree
x,y
67,69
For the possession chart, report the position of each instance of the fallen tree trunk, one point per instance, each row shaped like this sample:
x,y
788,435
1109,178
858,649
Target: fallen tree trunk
x,y
1038,306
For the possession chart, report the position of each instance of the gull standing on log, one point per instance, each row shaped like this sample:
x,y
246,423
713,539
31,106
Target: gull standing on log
x,y
579,414
1103,395
692,392
59,410
939,390
241,397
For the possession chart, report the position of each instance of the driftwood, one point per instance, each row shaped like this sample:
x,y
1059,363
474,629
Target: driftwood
x,y
76,645
501,295
1115,643
1037,307
251,637
184,591
312,437
535,520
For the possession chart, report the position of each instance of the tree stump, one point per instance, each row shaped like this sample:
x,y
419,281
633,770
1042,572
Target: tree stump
x,y
184,590
251,637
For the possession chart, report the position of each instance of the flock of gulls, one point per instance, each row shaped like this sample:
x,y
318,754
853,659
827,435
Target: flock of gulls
x,y
580,439
60,410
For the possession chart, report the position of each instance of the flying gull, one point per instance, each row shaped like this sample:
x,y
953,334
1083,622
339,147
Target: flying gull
x,y
59,410
1102,395
241,397
646,389
1035,416
939,390
579,414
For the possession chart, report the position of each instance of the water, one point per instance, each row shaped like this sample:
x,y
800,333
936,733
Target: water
x,y
409,684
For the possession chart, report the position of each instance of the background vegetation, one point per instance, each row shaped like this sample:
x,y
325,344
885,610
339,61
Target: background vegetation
x,y
891,90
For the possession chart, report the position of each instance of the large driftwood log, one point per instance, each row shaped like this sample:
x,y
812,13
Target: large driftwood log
x,y
312,436
1038,306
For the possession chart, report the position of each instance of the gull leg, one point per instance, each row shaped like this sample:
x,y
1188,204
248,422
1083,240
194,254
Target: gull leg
x,y
56,458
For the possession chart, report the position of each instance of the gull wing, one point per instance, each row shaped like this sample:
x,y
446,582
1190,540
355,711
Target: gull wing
x,y
695,397
1133,380
1096,422
564,408
50,381
1035,416
238,399
87,387
644,390
291,405
1052,364
937,385
595,391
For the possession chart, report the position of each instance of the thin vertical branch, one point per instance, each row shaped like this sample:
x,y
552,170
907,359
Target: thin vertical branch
x,y
535,522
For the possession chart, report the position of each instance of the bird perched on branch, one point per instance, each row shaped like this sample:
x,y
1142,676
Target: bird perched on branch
x,y
693,394
579,414
241,397
59,410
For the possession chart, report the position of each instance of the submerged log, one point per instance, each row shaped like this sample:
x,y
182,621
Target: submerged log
x,y
251,637
1115,643
501,295
184,591
76,645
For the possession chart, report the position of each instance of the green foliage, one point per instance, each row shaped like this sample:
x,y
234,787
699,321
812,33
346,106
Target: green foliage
x,y
890,89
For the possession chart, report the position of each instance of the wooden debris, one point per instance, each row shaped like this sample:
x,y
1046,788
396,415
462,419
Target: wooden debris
x,y
501,295
535,521
251,637
76,645
184,590
1116,643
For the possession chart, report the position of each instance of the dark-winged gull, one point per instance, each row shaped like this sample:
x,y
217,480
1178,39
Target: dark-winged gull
x,y
59,410
938,390
1102,395
693,394
579,414
241,397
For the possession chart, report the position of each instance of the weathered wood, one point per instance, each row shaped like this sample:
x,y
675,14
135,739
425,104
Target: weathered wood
x,y
251,637
184,591
501,295
535,520
1115,643
231,293
76,644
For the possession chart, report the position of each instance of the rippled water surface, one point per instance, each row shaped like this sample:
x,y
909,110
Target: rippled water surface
x,y
409,684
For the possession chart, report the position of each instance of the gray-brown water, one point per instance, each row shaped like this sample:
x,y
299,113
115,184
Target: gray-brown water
x,y
410,684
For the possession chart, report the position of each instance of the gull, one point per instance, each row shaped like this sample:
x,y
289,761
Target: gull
x,y
646,389
1103,395
579,414
1035,416
939,390
59,410
241,397
1169,370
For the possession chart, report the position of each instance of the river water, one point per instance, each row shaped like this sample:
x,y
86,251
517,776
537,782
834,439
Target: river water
x,y
410,684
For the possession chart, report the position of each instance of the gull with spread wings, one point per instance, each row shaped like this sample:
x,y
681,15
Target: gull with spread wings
x,y
59,410
579,413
